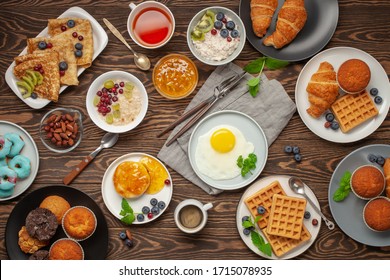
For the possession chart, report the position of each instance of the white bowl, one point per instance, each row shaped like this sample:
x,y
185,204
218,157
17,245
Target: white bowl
x,y
239,26
98,84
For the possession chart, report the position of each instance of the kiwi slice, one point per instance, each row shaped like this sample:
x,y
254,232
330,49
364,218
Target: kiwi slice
x,y
96,101
129,86
39,77
116,107
197,35
211,14
205,25
117,114
128,94
25,89
109,119
109,84
29,82
32,76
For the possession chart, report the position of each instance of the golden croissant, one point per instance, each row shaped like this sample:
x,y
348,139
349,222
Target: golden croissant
x,y
262,12
291,19
323,90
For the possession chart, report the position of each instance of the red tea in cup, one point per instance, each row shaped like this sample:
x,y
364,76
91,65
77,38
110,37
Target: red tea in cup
x,y
152,26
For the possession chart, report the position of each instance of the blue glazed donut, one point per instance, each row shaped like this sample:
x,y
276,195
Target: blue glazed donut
x,y
5,147
7,181
21,165
17,143
3,162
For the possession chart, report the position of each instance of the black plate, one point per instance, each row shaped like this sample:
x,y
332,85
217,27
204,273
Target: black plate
x,y
322,18
95,247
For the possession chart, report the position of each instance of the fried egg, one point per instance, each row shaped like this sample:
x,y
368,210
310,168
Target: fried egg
x,y
217,151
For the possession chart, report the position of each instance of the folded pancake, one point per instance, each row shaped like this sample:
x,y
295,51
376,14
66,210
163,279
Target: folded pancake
x,y
55,25
65,49
50,87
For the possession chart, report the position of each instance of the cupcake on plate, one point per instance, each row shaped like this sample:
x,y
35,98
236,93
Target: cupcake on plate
x,y
376,214
56,204
66,249
367,182
353,76
79,223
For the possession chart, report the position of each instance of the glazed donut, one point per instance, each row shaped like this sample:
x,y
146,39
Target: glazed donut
x,y
17,143
5,147
21,165
7,181
3,162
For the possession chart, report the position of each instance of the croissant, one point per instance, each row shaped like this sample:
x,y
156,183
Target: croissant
x,y
291,19
262,12
386,171
323,90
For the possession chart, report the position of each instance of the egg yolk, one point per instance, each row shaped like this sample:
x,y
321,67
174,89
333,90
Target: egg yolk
x,y
223,140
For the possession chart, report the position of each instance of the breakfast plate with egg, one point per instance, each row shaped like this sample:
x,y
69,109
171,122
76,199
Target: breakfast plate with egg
x,y
216,144
143,181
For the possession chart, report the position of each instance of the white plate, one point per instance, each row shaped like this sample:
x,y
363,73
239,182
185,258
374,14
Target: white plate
x,y
336,56
252,133
29,150
100,40
98,84
113,200
242,211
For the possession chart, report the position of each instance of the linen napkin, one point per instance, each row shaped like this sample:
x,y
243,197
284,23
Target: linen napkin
x,y
271,109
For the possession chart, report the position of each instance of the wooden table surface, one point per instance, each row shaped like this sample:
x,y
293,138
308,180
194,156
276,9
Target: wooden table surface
x,y
362,24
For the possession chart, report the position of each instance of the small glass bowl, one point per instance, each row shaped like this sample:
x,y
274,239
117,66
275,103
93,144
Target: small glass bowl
x,y
50,129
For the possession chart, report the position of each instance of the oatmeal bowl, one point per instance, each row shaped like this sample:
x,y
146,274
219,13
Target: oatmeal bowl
x,y
216,35
117,101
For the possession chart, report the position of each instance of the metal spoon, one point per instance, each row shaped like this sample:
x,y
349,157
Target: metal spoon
x,y
108,141
299,187
141,60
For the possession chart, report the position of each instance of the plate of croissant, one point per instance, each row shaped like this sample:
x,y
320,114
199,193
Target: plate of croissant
x,y
290,30
331,113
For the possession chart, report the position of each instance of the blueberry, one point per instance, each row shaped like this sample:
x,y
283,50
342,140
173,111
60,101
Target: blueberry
x,y
329,117
380,160
246,231
78,53
296,150
378,99
335,125
153,202
129,242
374,91
220,16
42,45
78,46
155,210
70,23
245,218
234,33
230,25
140,217
122,235
224,33
260,210
372,158
63,65
161,205
145,210
297,157
218,25
307,215
34,95
288,149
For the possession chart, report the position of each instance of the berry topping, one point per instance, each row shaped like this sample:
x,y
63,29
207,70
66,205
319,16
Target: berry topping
x,y
161,205
374,91
42,45
70,23
39,66
41,71
122,235
145,210
150,215
329,117
155,210
78,46
307,215
62,73
246,231
378,99
220,16
229,39
63,65
129,242
288,149
99,93
122,84
245,218
314,222
224,20
230,25
214,31
224,33
74,34
296,150
298,157
260,210
49,45
380,160
327,124
234,33
218,25
372,158
81,38
115,99
34,95
153,202
167,182
78,53
63,28
140,217
335,125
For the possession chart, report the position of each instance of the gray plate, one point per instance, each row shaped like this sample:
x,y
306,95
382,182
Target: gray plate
x,y
322,18
252,133
348,214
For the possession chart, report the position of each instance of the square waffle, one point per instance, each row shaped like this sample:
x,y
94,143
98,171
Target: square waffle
x,y
264,198
286,217
353,109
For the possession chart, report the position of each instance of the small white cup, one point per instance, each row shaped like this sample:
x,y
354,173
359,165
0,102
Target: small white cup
x,y
136,9
203,210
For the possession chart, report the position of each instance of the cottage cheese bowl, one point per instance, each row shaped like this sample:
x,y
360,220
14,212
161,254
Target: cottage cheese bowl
x,y
117,101
216,35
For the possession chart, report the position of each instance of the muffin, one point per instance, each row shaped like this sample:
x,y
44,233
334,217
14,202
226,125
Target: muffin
x,y
40,255
79,223
41,224
57,205
66,249
376,214
29,244
353,76
367,182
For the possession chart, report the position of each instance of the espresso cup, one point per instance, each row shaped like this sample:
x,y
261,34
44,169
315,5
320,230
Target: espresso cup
x,y
191,215
150,24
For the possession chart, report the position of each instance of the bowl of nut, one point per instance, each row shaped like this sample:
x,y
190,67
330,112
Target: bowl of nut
x,y
61,129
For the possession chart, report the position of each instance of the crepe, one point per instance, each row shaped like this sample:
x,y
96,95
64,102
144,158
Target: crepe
x,y
65,49
83,28
50,87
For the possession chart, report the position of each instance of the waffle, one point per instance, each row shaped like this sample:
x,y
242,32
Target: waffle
x,y
282,245
286,217
353,109
264,198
